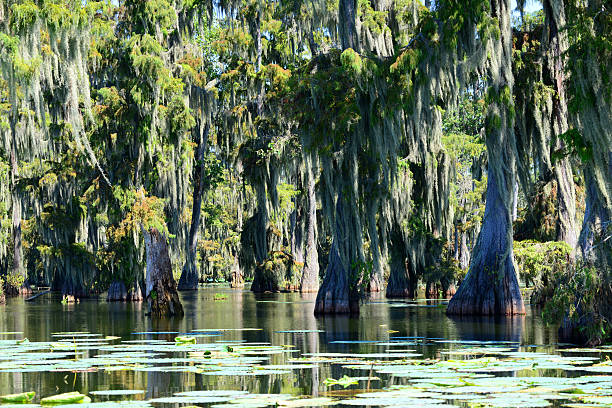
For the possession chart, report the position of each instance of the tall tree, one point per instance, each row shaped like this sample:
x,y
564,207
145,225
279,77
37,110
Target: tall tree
x,y
491,285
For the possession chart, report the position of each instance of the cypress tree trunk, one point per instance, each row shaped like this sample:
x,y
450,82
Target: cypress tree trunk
x,y
336,294
589,72
491,285
190,277
566,193
161,294
117,292
376,283
464,255
402,282
17,267
261,281
310,274
237,278
347,18
595,253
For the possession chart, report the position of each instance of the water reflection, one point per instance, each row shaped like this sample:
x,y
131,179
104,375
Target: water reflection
x,y
284,319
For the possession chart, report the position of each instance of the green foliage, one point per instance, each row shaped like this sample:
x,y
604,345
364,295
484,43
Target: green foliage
x,y
575,145
145,211
576,298
13,282
541,265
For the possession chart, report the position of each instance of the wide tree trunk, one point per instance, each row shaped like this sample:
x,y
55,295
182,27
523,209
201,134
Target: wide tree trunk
x,y
347,18
118,292
595,253
491,285
402,283
589,72
161,294
566,192
337,294
190,277
310,274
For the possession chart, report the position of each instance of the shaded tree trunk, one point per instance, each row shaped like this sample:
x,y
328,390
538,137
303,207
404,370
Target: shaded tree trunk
x,y
336,294
402,283
118,292
17,268
376,282
190,277
161,294
597,218
491,285
310,274
589,71
566,192
347,17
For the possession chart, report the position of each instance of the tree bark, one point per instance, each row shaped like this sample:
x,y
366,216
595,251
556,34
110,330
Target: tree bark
x,y
402,283
347,18
118,292
310,274
237,278
566,193
190,277
464,255
336,295
17,268
161,294
491,285
376,282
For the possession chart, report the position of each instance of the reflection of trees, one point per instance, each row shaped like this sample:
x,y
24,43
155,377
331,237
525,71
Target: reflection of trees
x,y
164,383
483,328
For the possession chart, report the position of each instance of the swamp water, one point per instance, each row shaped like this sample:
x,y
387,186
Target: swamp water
x,y
257,351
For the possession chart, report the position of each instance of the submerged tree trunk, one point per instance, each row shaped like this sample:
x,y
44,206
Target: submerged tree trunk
x,y
376,282
161,294
118,292
337,294
588,66
237,278
17,267
190,277
491,285
310,274
402,283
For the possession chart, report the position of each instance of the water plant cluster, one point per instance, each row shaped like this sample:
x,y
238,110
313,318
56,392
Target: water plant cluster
x,y
402,372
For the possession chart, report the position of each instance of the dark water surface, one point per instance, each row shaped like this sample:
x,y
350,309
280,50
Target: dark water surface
x,y
379,320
